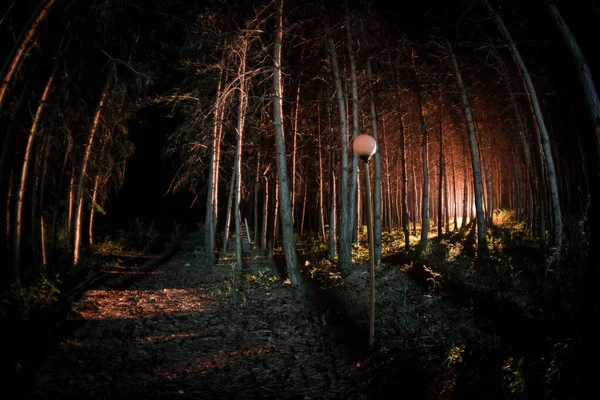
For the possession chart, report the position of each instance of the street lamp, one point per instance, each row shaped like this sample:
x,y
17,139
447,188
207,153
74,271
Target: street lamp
x,y
365,146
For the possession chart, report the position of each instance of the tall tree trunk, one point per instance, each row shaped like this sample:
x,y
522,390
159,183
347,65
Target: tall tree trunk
x,y
345,251
584,74
13,61
256,188
415,205
295,147
332,188
454,195
229,208
263,242
24,174
404,180
321,180
238,153
209,219
69,211
275,232
477,179
303,207
332,219
387,176
42,204
354,179
446,202
377,162
84,166
465,214
441,174
287,224
544,134
8,148
425,198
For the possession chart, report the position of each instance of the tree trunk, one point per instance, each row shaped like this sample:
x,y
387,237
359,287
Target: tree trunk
x,y
41,205
440,175
377,162
584,74
295,148
354,185
321,209
332,220
263,243
287,224
229,207
545,136
454,195
425,198
345,253
24,174
446,202
404,179
256,187
8,148
477,179
14,59
209,219
465,214
84,165
238,156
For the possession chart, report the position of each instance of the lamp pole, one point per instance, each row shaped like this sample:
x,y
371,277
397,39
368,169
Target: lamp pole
x,y
365,146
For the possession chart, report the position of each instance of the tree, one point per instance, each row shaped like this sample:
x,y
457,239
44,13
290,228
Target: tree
x,y
287,225
477,178
543,130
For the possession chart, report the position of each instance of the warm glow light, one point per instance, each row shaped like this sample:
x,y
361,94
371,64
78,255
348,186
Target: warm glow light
x,y
364,145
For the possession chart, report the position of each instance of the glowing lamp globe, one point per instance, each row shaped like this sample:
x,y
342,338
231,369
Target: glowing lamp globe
x,y
364,146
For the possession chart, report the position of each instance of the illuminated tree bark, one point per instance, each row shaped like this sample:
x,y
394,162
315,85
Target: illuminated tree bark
x,y
477,178
256,189
263,242
425,190
377,164
229,207
33,131
332,190
345,254
354,178
8,148
287,225
84,165
238,156
440,175
321,217
13,61
295,148
213,181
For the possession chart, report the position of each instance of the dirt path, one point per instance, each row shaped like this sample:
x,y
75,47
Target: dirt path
x,y
183,331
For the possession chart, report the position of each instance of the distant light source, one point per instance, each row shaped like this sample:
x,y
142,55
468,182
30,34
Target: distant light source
x,y
364,146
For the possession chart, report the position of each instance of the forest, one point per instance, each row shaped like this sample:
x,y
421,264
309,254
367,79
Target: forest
x,y
283,199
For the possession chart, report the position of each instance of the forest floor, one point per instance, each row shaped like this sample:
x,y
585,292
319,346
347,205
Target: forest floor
x,y
184,330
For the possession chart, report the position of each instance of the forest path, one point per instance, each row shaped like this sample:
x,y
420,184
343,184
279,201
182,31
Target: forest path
x,y
184,330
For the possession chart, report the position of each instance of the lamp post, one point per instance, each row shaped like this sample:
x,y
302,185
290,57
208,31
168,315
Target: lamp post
x,y
365,146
